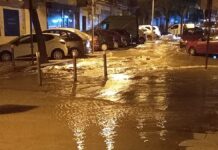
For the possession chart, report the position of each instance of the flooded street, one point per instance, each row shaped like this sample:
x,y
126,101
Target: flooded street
x,y
156,97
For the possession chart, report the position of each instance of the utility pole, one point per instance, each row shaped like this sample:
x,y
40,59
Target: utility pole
x,y
31,31
152,18
209,9
93,31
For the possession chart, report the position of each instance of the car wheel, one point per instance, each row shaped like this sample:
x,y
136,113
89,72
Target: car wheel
x,y
149,37
141,40
104,47
192,51
6,56
57,54
116,45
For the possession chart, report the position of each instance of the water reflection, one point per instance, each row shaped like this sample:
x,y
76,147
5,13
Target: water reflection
x,y
82,114
115,87
108,120
144,106
157,98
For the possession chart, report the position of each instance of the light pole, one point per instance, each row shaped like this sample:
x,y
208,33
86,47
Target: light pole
x,y
209,8
93,31
31,30
152,18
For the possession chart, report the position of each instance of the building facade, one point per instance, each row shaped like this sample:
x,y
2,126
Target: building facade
x,y
15,18
102,9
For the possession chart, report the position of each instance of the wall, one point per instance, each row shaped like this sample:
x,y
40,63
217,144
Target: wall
x,y
3,38
24,21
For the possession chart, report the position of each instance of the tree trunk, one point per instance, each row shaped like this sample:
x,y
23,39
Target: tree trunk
x,y
167,24
77,18
38,30
181,24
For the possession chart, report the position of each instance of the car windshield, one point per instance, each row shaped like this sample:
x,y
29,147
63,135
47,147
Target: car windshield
x,y
82,34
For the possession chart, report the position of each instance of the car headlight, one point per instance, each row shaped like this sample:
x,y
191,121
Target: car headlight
x,y
88,44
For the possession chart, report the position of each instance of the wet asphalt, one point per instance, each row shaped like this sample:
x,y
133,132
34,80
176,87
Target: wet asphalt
x,y
156,97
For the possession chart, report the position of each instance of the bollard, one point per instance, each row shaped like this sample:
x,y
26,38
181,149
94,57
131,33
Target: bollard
x,y
105,64
74,53
12,56
39,68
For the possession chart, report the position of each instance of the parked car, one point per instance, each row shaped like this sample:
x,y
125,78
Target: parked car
x,y
147,29
103,40
142,37
128,23
55,46
117,37
191,34
176,28
75,40
199,47
126,36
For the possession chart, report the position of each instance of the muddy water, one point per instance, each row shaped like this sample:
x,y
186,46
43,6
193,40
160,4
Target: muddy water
x,y
152,100
155,111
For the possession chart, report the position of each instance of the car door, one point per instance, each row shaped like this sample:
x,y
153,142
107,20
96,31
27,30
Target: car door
x,y
214,45
200,46
22,47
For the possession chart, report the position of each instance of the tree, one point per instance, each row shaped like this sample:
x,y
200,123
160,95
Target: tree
x,y
165,7
145,11
182,7
38,30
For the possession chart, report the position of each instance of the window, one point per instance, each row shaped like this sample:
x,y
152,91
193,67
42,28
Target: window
x,y
11,22
25,40
60,15
73,36
48,37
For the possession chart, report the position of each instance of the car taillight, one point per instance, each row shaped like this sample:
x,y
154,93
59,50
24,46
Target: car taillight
x,y
62,41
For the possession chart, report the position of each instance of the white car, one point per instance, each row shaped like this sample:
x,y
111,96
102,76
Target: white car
x,y
176,28
55,46
148,30
75,40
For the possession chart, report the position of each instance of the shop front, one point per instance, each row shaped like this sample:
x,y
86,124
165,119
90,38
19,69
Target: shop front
x,y
60,15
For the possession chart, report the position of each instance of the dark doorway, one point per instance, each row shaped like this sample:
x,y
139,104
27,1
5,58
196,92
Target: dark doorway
x,y
84,23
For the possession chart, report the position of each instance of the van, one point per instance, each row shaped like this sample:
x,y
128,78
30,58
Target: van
x,y
128,23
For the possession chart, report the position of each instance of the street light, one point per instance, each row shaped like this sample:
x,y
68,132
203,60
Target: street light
x,y
92,7
152,18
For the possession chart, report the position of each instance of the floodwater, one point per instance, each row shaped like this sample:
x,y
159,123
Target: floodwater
x,y
152,100
143,105
155,112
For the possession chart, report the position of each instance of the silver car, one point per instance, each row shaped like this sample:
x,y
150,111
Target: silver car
x,y
75,39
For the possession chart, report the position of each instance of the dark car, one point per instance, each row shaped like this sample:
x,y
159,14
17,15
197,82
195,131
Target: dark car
x,y
103,40
117,37
191,34
75,39
126,36
128,23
